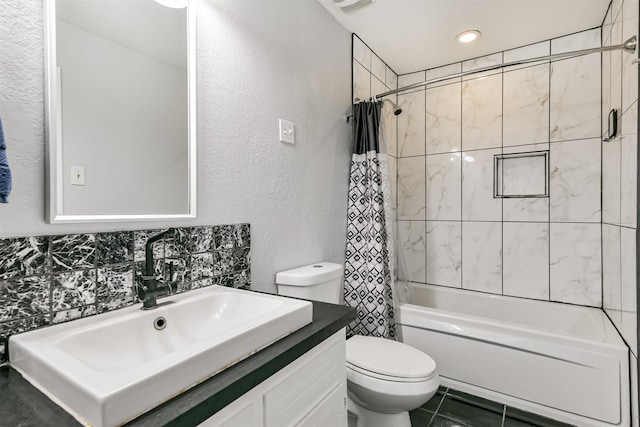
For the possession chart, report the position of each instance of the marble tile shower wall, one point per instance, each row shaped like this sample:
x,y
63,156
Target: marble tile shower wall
x,y
452,231
372,76
46,280
619,172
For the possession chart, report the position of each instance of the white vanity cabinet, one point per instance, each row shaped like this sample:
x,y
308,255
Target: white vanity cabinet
x,y
311,391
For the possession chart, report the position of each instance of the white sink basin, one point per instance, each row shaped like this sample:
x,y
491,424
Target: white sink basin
x,y
111,368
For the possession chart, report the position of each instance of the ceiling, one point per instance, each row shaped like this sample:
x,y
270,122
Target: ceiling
x,y
414,35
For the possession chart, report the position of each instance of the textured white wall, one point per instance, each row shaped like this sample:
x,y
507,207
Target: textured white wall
x,y
258,61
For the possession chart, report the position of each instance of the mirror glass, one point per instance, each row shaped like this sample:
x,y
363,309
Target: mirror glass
x,y
120,110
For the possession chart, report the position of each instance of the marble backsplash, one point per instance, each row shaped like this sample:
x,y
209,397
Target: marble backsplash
x,y
45,280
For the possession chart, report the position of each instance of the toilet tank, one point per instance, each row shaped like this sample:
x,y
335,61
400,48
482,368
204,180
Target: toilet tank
x,y
321,281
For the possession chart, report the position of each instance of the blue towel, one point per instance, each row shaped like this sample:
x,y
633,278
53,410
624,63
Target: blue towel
x,y
5,172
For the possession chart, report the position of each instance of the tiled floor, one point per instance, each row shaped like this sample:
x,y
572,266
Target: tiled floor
x,y
452,408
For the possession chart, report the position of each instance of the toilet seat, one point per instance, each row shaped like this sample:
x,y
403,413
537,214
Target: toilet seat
x,y
383,377
388,360
390,387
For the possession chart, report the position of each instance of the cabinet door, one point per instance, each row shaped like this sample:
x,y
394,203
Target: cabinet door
x,y
331,412
306,383
311,391
245,411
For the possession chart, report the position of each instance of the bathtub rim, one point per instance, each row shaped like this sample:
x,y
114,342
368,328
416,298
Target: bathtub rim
x,y
612,337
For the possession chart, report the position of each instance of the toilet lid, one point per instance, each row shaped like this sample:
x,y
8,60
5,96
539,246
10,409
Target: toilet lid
x,y
389,358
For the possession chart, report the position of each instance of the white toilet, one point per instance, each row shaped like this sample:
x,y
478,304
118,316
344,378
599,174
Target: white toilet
x,y
385,379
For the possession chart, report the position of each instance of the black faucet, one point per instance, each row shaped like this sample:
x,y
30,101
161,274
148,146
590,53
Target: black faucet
x,y
149,287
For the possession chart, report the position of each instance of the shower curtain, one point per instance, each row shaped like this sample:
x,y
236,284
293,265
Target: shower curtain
x,y
369,254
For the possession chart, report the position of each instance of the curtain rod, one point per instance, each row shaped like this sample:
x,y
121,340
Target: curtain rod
x,y
628,46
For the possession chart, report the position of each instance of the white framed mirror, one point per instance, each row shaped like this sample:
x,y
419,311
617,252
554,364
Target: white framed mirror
x,y
120,110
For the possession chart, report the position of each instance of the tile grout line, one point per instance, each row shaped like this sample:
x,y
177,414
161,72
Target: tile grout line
x,y
96,280
619,139
548,177
426,217
49,273
603,41
494,185
461,179
435,413
494,147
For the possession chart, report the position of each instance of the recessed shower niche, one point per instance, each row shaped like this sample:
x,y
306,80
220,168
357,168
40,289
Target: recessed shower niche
x,y
521,175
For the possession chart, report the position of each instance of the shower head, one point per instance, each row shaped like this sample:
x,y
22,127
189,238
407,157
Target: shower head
x,y
396,109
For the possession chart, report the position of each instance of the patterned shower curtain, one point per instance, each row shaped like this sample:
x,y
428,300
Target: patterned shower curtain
x,y
369,255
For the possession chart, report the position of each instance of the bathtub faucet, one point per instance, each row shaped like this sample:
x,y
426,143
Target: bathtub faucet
x,y
149,286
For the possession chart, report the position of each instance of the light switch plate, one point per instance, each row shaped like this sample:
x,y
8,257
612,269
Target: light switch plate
x,y
287,132
77,175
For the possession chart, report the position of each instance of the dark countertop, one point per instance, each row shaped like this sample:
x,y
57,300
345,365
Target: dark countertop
x,y
21,404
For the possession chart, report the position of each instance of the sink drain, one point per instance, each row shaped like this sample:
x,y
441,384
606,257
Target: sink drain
x,y
160,323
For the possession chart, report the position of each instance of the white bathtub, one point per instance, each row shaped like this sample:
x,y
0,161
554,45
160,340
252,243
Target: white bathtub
x,y
563,361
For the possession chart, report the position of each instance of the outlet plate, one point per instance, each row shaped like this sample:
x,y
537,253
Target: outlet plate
x,y
287,132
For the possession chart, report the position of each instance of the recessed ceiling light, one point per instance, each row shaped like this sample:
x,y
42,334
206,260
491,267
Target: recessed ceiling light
x,y
174,4
352,5
468,36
